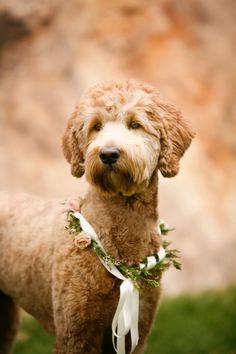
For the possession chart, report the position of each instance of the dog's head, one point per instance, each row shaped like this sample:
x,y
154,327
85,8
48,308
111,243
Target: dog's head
x,y
121,133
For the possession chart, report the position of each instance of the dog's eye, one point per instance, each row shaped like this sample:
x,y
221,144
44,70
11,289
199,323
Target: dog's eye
x,y
134,125
97,126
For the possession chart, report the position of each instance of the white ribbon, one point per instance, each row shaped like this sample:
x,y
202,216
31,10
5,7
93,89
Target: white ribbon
x,y
126,316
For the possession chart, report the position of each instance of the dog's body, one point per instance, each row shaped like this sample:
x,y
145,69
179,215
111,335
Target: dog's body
x,y
68,289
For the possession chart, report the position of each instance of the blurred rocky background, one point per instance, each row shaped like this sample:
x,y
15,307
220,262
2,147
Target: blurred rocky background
x,y
53,50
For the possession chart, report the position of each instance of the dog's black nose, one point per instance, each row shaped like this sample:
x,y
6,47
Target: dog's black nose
x,y
109,155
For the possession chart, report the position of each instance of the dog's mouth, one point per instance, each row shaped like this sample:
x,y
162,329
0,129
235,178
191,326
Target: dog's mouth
x,y
110,168
113,179
126,175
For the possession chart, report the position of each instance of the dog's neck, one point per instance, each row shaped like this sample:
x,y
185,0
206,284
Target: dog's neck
x,y
126,226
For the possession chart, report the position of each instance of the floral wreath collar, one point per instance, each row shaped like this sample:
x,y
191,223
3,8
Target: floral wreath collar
x,y
141,274
133,277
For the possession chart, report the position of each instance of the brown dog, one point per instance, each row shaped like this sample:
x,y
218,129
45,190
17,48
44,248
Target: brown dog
x,y
120,135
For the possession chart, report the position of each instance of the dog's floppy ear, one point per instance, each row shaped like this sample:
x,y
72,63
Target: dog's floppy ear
x,y
71,145
176,137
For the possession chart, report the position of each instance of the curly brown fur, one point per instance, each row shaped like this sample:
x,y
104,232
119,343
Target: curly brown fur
x,y
67,288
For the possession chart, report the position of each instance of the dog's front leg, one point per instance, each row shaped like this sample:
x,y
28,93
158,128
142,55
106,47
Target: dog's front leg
x,y
149,299
78,342
79,307
78,331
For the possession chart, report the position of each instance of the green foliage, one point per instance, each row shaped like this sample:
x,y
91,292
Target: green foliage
x,y
165,228
73,224
187,324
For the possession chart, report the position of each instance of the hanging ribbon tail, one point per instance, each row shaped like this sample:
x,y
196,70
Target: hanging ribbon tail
x,y
126,317
135,316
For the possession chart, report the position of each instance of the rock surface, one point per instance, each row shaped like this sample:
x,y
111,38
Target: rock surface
x,y
51,51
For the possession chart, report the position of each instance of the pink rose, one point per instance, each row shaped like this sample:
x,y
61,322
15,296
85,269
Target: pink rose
x,y
82,241
74,205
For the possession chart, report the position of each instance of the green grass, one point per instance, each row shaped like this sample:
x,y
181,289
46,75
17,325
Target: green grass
x,y
187,324
32,339
200,324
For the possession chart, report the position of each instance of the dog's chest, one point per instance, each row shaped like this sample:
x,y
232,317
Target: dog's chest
x,y
124,237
